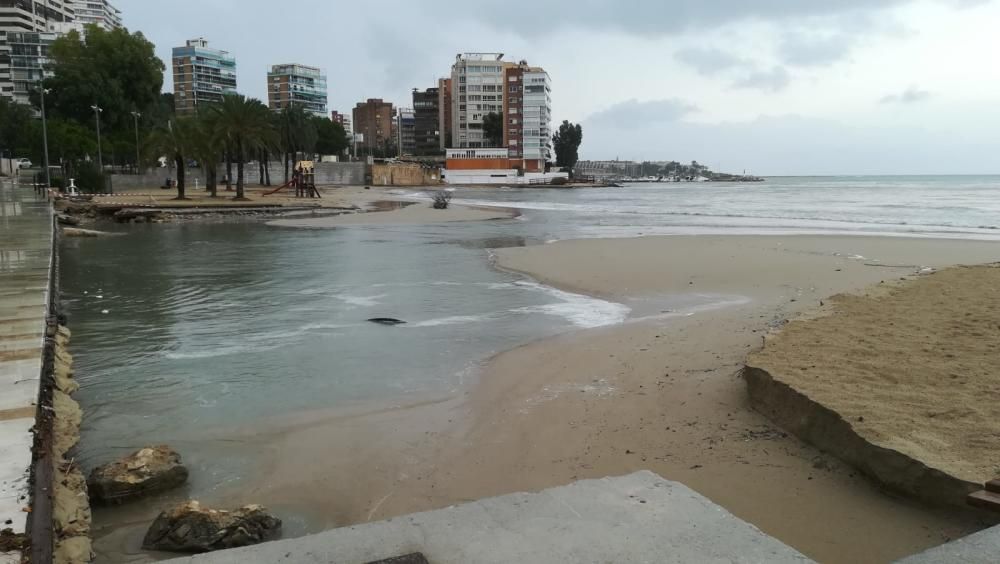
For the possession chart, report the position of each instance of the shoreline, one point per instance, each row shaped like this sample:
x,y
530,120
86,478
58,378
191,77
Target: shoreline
x,y
612,400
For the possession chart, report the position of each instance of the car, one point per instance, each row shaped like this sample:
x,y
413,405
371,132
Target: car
x,y
23,163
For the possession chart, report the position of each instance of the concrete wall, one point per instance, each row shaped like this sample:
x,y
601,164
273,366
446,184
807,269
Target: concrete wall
x,y
404,175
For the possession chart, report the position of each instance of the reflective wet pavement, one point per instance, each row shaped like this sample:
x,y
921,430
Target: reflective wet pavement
x,y
25,254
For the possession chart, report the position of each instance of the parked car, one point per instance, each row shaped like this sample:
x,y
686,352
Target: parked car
x,y
23,163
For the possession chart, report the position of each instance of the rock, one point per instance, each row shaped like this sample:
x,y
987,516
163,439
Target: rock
x,y
189,527
146,471
386,321
64,219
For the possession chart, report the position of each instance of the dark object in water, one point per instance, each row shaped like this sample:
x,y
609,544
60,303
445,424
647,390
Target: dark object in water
x,y
415,558
441,199
387,321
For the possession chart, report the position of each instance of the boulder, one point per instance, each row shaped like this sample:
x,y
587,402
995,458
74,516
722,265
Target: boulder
x,y
189,527
146,471
64,219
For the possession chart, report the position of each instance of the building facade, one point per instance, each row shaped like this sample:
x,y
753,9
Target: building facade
x,y
98,12
27,29
201,75
297,85
406,139
444,112
343,120
477,89
427,115
373,121
608,170
527,115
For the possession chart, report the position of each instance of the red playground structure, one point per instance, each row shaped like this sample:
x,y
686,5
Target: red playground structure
x,y
303,181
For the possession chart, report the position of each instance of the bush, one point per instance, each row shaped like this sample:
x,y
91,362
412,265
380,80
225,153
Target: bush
x,y
441,200
89,179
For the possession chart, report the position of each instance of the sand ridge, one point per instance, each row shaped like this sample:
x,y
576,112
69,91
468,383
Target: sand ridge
x,y
913,368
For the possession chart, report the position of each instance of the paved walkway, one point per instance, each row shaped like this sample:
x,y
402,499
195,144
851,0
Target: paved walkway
x,y
25,249
636,518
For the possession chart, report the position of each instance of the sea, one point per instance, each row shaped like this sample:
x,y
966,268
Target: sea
x,y
187,327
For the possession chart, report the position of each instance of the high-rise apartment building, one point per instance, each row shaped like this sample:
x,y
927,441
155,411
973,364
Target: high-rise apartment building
x,y
342,119
27,29
426,127
406,139
98,12
444,112
201,75
528,115
477,89
297,85
373,119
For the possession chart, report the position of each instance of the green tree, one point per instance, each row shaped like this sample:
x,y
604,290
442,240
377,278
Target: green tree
x,y
175,141
297,133
331,139
207,145
15,122
246,125
116,70
493,130
566,143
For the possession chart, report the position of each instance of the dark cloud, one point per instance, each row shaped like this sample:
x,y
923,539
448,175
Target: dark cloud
x,y
911,95
633,113
770,80
709,61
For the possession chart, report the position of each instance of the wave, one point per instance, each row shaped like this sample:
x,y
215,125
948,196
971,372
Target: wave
x,y
582,311
453,320
359,301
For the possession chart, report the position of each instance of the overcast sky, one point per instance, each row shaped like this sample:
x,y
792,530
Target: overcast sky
x,y
771,86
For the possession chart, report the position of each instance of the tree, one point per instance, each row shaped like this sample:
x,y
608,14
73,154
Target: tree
x,y
246,125
116,70
493,129
175,141
567,142
331,139
297,134
15,120
207,145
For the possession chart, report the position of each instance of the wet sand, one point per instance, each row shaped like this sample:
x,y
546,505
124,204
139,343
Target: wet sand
x,y
660,394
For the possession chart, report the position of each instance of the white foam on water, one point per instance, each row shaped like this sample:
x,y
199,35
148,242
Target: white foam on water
x,y
582,311
359,301
453,320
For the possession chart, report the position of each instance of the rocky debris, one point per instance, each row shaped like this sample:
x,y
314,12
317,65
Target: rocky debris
x,y
415,558
11,541
64,219
138,215
76,232
189,527
146,471
386,321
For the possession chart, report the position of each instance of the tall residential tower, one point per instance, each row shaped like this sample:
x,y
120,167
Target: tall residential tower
x,y
297,85
201,75
27,29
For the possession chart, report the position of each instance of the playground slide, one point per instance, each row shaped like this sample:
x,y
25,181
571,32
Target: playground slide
x,y
280,188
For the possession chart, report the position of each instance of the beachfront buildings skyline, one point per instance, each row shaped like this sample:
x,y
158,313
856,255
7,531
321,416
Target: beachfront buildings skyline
x,y
297,85
201,75
527,114
477,90
98,12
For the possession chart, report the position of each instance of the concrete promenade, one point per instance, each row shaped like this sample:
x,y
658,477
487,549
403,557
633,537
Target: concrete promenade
x,y
25,254
636,518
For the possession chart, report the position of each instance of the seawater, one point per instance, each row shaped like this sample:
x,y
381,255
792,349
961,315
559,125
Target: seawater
x,y
183,329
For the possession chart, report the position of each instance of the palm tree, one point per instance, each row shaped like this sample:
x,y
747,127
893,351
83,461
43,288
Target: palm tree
x,y
297,131
174,141
245,123
207,146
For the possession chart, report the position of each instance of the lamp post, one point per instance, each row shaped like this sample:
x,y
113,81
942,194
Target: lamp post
x,y
135,118
45,140
97,117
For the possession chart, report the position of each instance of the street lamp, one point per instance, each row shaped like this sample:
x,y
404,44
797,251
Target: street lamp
x,y
135,118
45,140
97,117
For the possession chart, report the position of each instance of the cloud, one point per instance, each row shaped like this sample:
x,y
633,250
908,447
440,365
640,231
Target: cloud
x,y
911,95
811,49
772,80
633,113
709,61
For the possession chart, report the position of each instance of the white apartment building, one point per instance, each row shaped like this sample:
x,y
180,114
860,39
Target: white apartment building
x,y
477,83
536,115
98,12
26,32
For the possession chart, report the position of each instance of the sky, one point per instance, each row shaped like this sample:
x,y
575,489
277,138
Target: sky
x,y
773,87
